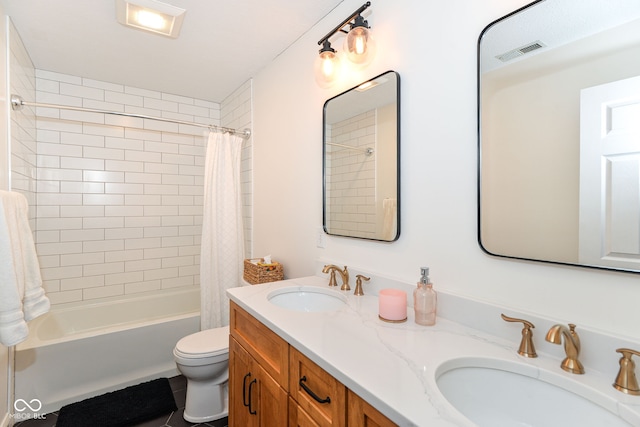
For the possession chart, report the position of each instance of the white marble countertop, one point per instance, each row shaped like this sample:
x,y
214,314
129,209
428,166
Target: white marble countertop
x,y
394,366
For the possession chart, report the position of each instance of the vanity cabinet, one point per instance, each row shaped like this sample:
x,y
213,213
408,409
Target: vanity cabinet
x,y
361,414
317,394
273,384
258,373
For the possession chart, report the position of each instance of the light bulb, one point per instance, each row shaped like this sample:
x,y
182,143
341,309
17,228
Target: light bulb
x,y
358,44
327,66
150,19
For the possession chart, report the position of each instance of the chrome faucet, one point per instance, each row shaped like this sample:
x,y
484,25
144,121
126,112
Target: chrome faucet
x,y
571,346
344,274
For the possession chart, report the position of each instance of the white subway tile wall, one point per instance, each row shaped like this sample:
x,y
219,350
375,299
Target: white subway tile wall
x,y
237,110
119,199
23,125
352,200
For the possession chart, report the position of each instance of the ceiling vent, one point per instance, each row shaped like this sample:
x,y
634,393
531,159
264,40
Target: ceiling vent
x,y
522,50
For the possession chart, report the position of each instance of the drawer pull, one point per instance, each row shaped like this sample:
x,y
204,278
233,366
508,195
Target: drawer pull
x,y
251,411
244,390
311,393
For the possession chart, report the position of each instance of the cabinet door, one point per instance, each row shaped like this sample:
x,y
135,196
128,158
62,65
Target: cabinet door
x,y
271,401
255,398
361,414
241,375
317,392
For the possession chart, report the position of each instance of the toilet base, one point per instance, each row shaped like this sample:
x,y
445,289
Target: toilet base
x,y
202,399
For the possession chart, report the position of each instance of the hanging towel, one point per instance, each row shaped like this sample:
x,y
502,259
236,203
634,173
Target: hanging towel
x,y
22,297
389,208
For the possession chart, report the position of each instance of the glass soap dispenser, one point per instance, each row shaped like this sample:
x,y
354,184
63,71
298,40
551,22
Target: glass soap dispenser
x,y
425,300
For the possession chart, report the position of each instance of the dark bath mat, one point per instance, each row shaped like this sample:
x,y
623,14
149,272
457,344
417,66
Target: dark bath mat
x,y
121,408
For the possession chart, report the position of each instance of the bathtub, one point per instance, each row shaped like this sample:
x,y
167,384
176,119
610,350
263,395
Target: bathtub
x,y
79,351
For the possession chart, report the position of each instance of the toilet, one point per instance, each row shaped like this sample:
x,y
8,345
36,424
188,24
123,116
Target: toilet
x,y
203,358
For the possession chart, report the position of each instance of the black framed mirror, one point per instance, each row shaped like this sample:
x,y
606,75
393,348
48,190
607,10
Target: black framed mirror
x,y
361,160
559,134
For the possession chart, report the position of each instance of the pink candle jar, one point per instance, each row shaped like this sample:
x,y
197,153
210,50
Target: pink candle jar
x,y
392,305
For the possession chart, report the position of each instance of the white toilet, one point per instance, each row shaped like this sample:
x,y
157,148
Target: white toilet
x,y
203,358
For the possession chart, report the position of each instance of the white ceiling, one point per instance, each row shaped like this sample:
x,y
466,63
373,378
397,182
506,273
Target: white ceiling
x,y
554,23
222,43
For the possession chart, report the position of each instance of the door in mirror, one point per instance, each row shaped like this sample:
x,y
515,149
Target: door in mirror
x,y
558,139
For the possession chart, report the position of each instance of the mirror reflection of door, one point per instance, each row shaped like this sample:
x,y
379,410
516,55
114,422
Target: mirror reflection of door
x,y
533,66
610,174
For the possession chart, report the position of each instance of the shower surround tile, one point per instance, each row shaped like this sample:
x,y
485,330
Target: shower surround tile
x,y
121,198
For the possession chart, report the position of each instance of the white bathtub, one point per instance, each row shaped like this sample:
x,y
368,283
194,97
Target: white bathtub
x,y
78,351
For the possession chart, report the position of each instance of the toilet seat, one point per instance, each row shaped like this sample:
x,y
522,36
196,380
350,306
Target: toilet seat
x,y
203,344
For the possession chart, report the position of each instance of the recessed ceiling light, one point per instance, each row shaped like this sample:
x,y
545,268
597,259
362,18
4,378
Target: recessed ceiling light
x,y
151,15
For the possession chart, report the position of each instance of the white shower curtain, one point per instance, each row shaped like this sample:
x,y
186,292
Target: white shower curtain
x,y
222,247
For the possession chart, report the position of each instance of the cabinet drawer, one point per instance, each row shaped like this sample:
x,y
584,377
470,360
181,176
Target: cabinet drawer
x,y
297,416
361,414
271,351
319,395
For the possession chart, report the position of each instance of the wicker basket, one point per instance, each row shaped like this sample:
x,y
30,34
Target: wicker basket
x,y
255,274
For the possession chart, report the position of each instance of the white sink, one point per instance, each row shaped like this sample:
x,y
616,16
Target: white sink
x,y
496,393
307,298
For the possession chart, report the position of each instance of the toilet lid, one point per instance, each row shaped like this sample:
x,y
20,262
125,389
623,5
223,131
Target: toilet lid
x,y
210,342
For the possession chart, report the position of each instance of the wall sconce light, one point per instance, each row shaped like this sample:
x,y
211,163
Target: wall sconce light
x,y
358,46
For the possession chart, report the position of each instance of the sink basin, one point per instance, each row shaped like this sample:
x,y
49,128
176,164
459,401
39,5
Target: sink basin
x,y
498,393
307,298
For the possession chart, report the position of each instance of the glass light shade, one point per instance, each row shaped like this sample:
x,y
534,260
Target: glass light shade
x,y
327,67
359,45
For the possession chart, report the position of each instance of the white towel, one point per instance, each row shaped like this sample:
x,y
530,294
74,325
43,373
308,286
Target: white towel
x,y
389,220
22,297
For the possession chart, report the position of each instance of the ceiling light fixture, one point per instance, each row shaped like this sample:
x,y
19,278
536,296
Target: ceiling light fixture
x,y
150,15
358,46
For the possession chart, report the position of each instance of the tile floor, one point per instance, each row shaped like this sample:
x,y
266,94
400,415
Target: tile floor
x,y
174,419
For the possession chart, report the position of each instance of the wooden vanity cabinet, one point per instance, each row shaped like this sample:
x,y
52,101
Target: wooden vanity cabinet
x,y
273,384
318,394
361,414
258,373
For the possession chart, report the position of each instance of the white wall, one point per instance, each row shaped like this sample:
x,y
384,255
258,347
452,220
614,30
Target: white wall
x,y
433,47
5,369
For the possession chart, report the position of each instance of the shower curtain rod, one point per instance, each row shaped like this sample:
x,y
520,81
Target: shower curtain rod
x,y
17,103
367,151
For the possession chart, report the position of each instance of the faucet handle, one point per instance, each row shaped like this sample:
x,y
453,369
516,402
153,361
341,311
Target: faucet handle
x,y
626,380
526,344
345,280
332,278
359,279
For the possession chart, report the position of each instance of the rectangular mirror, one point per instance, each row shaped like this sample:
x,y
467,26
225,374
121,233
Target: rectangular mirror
x,y
559,134
361,160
